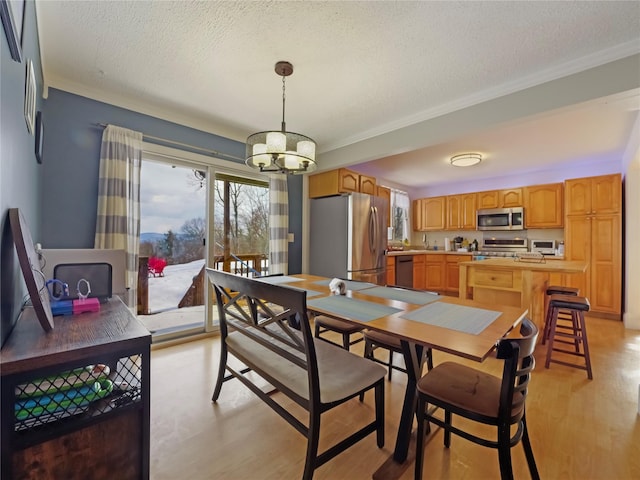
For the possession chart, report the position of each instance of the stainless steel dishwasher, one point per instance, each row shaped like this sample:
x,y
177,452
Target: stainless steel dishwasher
x,y
404,271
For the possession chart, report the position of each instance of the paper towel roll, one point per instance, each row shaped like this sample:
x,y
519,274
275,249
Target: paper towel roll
x,y
447,244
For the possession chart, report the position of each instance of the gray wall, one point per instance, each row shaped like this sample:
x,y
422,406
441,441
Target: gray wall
x,y
72,158
59,197
19,172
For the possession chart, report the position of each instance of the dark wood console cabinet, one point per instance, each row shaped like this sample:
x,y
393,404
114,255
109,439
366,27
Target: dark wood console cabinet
x,y
105,438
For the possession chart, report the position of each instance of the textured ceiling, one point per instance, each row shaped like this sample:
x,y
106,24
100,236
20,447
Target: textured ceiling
x,y
362,69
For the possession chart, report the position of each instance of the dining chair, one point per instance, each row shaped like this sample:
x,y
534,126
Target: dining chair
x,y
484,398
374,340
323,324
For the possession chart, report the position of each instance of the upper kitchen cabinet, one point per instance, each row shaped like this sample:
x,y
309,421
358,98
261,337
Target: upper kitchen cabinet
x,y
342,180
385,193
367,184
511,197
461,211
593,195
543,206
429,213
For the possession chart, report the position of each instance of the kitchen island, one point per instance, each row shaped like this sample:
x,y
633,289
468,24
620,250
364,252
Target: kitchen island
x,y
506,281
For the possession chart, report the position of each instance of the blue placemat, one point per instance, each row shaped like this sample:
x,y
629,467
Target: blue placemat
x,y
277,279
350,284
455,317
351,308
408,296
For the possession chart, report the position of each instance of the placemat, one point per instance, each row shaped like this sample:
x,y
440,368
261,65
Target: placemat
x,y
455,317
350,284
408,296
310,293
276,279
351,308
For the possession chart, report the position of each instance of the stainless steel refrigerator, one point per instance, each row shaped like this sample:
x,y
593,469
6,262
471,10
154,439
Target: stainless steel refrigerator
x,y
349,237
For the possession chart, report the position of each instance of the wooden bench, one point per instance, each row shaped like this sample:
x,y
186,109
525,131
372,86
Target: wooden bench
x,y
256,329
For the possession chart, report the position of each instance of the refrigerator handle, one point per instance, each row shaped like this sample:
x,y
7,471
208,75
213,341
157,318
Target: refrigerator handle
x,y
372,229
376,238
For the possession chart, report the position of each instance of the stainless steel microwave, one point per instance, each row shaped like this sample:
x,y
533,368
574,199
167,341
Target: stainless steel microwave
x,y
501,219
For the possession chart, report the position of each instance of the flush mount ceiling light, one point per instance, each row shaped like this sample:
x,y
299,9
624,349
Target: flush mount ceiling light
x,y
281,151
466,159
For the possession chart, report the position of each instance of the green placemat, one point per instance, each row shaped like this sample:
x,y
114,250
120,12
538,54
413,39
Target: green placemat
x,y
277,279
351,308
350,284
454,317
408,296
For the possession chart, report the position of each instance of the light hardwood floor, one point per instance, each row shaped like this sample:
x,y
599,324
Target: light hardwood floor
x,y
580,429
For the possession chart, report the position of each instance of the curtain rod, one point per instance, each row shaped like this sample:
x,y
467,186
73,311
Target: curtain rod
x,y
160,140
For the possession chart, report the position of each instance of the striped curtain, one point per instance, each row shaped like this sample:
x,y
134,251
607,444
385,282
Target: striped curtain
x,y
278,224
118,218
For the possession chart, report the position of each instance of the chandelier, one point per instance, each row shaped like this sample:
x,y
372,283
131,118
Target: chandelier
x,y
281,151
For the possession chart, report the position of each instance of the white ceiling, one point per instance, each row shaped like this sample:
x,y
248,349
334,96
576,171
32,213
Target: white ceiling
x,y
361,71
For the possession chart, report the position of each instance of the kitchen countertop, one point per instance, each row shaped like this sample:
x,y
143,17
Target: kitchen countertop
x,y
559,266
395,253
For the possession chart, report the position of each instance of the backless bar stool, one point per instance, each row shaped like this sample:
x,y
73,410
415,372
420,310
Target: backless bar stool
x,y
577,332
562,315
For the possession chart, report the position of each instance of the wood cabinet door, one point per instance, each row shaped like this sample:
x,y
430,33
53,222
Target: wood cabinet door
x,y
606,194
348,181
385,193
577,235
435,272
606,264
468,211
489,199
453,212
416,215
510,198
367,185
419,272
544,206
577,194
391,271
434,213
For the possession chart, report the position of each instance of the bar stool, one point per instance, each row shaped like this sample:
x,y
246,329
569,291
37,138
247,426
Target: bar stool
x,y
562,315
576,332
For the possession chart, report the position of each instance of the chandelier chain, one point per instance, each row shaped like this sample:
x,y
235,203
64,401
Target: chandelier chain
x,y
284,127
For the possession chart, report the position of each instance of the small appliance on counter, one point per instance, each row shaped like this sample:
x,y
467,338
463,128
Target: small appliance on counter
x,y
545,247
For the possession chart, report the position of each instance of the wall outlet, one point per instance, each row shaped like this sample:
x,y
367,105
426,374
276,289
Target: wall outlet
x,y
290,238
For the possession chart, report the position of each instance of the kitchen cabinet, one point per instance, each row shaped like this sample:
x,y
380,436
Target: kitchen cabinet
x,y
593,195
435,267
104,432
511,197
391,270
385,193
596,238
342,180
452,271
429,213
367,184
461,212
419,262
544,206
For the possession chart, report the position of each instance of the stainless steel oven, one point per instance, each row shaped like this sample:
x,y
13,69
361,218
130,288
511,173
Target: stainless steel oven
x,y
501,219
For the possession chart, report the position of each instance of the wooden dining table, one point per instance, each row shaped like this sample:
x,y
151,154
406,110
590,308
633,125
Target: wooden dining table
x,y
420,320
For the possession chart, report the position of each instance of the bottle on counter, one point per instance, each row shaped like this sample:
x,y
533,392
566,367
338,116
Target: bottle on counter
x,y
560,250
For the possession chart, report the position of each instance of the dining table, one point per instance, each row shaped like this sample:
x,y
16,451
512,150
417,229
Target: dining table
x,y
419,319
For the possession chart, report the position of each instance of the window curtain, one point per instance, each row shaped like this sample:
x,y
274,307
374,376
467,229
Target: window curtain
x,y
278,224
118,216
400,200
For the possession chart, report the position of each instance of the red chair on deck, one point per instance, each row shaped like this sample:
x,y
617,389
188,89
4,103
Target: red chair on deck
x,y
156,266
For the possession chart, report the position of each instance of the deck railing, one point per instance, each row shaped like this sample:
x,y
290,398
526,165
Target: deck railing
x,y
246,265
